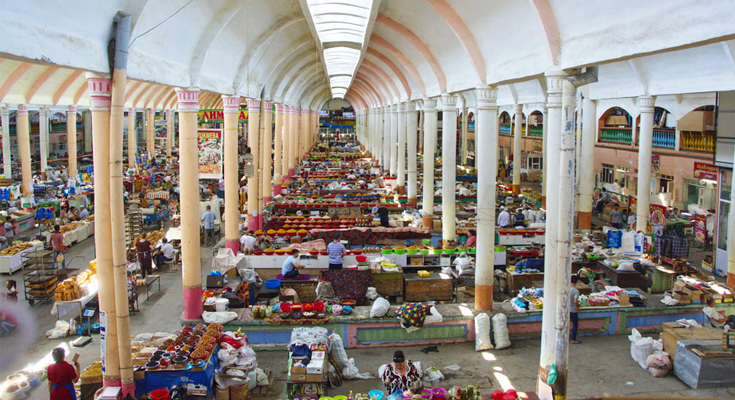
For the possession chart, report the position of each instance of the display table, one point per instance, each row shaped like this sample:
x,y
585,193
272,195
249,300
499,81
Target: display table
x,y
363,236
701,364
304,288
10,264
387,284
349,283
623,279
436,286
518,281
165,379
520,240
62,308
674,332
663,279
149,281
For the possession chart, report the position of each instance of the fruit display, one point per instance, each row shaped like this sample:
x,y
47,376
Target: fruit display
x,y
15,249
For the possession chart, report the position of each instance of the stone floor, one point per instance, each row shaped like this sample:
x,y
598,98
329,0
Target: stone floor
x,y
599,366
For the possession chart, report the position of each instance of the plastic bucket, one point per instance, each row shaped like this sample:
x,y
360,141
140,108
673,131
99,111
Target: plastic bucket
x,y
378,394
361,258
272,283
158,394
221,304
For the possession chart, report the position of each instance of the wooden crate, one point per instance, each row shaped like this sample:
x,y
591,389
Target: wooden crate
x,y
518,281
388,283
305,289
438,287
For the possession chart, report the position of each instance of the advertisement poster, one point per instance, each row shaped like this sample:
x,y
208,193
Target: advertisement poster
x,y
657,219
538,147
210,153
218,116
161,128
705,171
700,229
632,204
655,163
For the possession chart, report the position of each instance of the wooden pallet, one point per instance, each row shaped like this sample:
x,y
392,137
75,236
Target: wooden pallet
x,y
262,391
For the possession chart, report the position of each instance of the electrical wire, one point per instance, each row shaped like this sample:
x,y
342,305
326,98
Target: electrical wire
x,y
159,24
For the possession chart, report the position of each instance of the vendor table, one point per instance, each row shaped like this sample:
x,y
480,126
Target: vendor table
x,y
674,332
623,279
305,288
62,308
436,286
10,264
166,379
349,283
149,281
663,279
387,284
700,365
518,281
363,236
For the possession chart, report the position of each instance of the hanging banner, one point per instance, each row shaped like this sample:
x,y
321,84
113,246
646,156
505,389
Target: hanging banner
x,y
705,171
538,147
632,204
700,229
657,219
210,153
218,116
161,128
655,163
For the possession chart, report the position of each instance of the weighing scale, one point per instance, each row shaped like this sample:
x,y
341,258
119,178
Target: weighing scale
x,y
86,338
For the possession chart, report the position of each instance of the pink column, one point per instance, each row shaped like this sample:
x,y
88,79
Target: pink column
x,y
254,144
232,208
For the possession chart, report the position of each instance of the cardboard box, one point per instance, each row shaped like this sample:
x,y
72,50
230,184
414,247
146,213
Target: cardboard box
x,y
316,367
437,225
298,377
683,298
623,299
314,377
239,392
297,368
694,294
679,285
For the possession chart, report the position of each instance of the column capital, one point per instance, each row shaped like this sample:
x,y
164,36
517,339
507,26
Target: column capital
x,y
554,87
280,108
230,104
518,108
487,98
4,111
410,106
188,99
402,107
449,102
646,104
22,109
100,91
267,106
429,105
168,112
130,110
152,112
253,106
71,110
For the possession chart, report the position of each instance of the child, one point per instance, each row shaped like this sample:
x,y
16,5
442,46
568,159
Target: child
x,y
11,293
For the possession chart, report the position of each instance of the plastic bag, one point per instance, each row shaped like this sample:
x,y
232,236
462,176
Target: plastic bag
x,y
625,266
659,364
434,317
500,329
351,372
371,293
337,350
227,355
379,308
433,375
482,333
219,317
261,377
642,347
60,330
614,238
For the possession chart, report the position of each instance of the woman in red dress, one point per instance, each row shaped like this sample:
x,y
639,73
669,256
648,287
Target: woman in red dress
x,y
62,376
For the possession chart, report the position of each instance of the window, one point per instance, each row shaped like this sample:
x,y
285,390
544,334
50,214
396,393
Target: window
x,y
535,163
666,184
608,173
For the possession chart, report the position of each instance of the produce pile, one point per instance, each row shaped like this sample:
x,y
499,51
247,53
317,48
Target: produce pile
x,y
73,288
15,248
155,236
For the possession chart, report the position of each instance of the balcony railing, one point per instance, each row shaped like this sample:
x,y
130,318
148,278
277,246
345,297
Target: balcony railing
x,y
505,129
665,139
536,131
618,135
697,141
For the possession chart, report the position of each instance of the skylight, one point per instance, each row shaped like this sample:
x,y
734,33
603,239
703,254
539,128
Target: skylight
x,y
341,27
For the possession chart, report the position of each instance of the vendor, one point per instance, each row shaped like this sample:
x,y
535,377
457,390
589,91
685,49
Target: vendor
x,y
336,250
400,374
471,239
383,215
132,291
715,318
9,229
247,242
3,242
165,253
62,376
520,219
143,249
290,266
83,214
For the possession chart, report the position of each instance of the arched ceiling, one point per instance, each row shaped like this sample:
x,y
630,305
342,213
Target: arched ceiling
x,y
401,49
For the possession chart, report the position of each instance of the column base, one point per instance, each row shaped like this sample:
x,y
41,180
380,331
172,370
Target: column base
x,y
484,297
401,189
543,202
193,302
128,389
411,202
233,245
730,279
260,222
427,221
112,381
266,200
252,223
584,220
290,172
516,189
277,190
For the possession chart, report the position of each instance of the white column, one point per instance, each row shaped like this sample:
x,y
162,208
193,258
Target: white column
x,y
266,193
393,139
87,132
551,285
421,130
132,138
430,121
486,162
71,139
449,166
411,128
386,138
401,169
645,143
23,128
465,127
7,153
517,153
731,243
170,115
43,136
278,150
545,153
587,172
254,143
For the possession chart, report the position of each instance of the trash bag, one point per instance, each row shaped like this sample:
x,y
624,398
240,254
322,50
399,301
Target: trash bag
x,y
659,364
433,375
482,333
227,355
371,293
351,372
60,330
219,317
337,350
380,307
500,329
642,347
433,317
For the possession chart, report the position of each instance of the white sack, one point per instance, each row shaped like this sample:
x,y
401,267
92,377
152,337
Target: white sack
x,y
482,333
434,317
337,350
500,331
380,307
219,317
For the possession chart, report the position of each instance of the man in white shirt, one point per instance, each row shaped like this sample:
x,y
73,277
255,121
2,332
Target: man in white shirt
x,y
717,319
504,218
247,242
165,253
84,213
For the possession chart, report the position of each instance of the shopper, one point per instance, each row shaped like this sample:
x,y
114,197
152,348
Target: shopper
x,y
504,218
3,242
165,253
336,250
57,246
574,308
143,247
383,215
400,375
471,239
290,266
62,376
247,242
208,219
616,217
132,291
715,318
11,291
9,230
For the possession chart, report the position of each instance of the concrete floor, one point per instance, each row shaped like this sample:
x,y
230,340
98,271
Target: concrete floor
x,y
600,366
